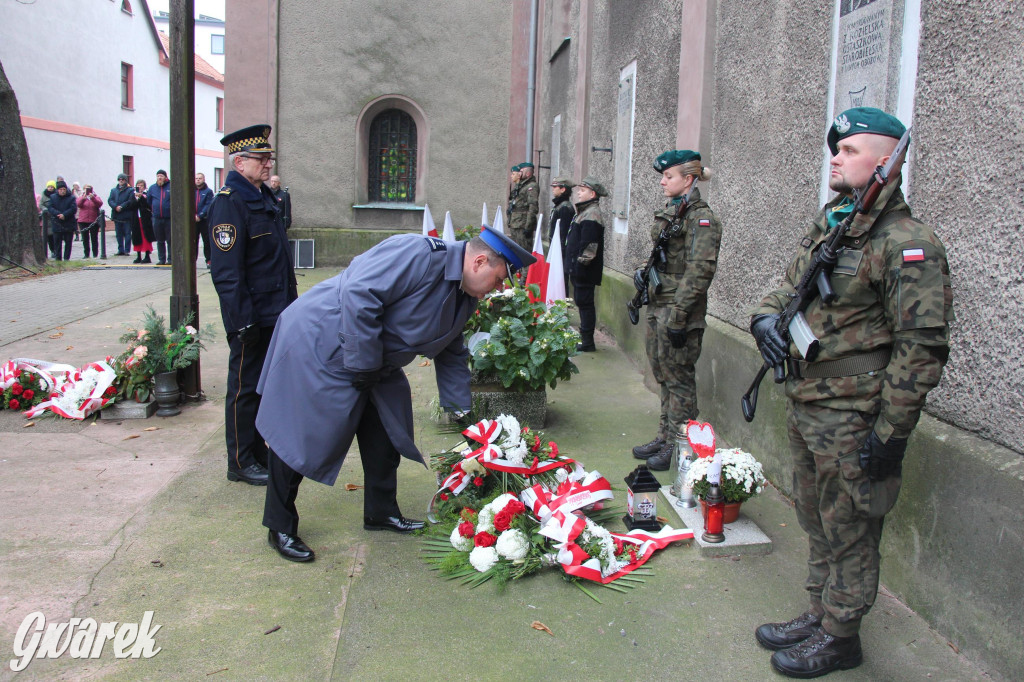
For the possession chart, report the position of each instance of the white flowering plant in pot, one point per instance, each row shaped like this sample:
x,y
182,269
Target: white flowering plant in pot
x,y
742,476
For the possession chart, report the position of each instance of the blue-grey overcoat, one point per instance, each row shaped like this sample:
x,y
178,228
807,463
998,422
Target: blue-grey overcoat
x,y
400,299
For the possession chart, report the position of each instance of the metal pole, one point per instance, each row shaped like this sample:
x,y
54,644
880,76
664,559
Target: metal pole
x,y
531,83
184,298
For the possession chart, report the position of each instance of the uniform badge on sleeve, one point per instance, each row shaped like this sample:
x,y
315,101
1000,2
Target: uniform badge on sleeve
x,y
435,244
224,236
704,222
913,255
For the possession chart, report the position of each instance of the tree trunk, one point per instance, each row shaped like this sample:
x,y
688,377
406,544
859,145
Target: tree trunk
x,y
20,235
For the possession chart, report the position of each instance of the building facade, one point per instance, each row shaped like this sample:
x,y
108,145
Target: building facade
x,y
92,81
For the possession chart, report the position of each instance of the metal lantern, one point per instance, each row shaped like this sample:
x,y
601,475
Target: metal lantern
x,y
642,500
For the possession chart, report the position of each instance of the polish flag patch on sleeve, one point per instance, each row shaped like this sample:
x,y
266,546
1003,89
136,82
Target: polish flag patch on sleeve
x,y
913,255
704,222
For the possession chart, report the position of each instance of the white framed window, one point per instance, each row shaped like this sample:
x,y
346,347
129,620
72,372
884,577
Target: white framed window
x,y
623,152
217,44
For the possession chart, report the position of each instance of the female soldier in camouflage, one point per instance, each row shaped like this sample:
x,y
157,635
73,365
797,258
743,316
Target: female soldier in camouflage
x,y
679,299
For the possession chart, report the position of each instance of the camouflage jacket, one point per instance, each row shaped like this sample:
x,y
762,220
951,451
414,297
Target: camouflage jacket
x,y
523,206
690,263
894,292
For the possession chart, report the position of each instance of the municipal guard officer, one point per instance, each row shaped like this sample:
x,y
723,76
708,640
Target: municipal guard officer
x,y
255,282
883,345
334,369
523,207
584,255
679,299
562,213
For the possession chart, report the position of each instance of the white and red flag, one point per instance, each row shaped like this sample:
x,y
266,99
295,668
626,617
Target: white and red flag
x,y
538,272
499,223
554,288
429,229
483,216
449,229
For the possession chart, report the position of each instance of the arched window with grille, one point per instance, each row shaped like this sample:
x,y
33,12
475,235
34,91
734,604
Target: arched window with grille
x,y
391,174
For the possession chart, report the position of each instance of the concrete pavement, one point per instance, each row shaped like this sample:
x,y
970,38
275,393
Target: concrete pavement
x,y
108,520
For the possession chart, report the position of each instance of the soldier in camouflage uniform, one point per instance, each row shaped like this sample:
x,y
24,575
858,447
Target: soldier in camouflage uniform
x,y
883,345
523,206
675,315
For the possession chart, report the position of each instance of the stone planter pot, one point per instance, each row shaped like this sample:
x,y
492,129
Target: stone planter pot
x,y
167,394
492,399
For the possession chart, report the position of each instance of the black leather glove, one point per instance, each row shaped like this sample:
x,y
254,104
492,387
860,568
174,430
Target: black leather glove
x,y
639,280
677,337
249,335
773,347
882,460
364,381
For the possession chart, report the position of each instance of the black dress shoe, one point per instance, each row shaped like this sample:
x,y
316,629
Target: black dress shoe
x,y
253,474
585,348
398,524
291,547
778,636
648,449
818,655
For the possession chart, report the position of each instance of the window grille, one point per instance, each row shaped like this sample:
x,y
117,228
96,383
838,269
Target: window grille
x,y
392,157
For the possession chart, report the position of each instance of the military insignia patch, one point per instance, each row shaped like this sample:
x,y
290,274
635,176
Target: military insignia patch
x,y
224,236
704,222
842,124
806,242
437,244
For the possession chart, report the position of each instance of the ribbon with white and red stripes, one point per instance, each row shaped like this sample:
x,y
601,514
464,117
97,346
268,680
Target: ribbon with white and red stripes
x,y
578,563
95,400
568,497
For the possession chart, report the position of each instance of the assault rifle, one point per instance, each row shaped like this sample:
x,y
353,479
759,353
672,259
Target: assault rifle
x,y
649,273
792,325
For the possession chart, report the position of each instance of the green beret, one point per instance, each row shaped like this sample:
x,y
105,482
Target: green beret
x,y
863,120
563,181
525,164
516,168
591,182
674,157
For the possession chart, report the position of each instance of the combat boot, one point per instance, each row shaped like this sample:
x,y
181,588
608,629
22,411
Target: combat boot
x,y
661,460
777,636
647,449
818,655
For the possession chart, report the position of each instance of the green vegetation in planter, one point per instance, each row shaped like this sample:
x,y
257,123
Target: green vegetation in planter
x,y
530,345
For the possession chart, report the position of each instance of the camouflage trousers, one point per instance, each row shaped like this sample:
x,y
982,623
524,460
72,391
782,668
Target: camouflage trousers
x,y
840,509
521,236
674,370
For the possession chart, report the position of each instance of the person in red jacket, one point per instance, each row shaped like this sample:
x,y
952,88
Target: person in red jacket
x,y
89,205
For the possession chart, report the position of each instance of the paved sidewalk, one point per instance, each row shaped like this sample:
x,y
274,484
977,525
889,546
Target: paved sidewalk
x,y
108,520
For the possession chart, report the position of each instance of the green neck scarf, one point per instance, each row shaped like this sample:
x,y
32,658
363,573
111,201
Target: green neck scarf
x,y
839,213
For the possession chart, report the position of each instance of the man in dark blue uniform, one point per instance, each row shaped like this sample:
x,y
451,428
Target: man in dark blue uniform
x,y
255,283
334,369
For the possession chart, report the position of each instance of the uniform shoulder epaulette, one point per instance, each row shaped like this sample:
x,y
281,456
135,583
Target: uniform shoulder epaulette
x,y
225,190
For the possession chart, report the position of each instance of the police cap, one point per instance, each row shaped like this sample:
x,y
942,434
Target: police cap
x,y
515,255
254,139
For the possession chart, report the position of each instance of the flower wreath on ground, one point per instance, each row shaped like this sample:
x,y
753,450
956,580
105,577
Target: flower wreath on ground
x,y
68,392
501,514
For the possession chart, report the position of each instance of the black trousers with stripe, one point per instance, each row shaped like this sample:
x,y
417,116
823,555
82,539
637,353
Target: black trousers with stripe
x,y
380,476
245,362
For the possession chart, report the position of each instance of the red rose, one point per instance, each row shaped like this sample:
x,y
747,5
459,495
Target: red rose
x,y
484,540
444,497
554,448
16,389
466,529
503,520
14,404
478,481
109,392
28,394
515,507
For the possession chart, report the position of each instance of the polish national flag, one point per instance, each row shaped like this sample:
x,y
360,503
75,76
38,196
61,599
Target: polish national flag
x,y
499,223
429,229
538,272
449,229
555,285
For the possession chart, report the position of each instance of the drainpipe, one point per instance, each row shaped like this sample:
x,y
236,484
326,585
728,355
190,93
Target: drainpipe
x,y
531,83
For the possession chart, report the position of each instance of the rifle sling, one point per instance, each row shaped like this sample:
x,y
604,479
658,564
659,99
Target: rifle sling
x,y
841,367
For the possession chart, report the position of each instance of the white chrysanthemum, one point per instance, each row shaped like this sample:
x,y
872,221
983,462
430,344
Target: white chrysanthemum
x,y
513,545
498,504
516,454
511,431
460,543
483,558
485,520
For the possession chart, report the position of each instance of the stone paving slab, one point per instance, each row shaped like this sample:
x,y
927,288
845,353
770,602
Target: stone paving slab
x,y
742,536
